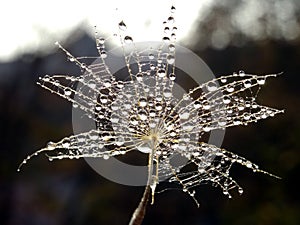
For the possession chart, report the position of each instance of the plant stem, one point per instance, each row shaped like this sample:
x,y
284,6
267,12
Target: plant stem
x,y
139,213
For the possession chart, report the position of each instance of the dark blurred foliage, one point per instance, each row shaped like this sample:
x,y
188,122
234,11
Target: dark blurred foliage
x,y
70,192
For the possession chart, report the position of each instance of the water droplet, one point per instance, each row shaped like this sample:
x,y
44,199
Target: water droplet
x,y
159,98
241,73
206,105
226,99
106,157
197,104
51,145
122,26
173,36
152,113
230,88
241,190
212,86
167,29
56,83
247,83
128,39
170,59
249,164
101,40
66,144
133,120
46,78
237,122
223,80
247,116
158,106
103,54
261,80
184,115
142,102
206,129
139,77
241,107
161,73
114,118
107,83
68,91
142,115
92,84
167,93
171,19
172,47
254,105
144,149
172,76
222,122
173,9
166,39
151,56
103,99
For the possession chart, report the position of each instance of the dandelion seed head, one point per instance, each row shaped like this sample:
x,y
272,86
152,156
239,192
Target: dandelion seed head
x,y
144,110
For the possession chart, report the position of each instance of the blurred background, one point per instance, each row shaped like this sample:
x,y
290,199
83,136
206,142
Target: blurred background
x,y
259,37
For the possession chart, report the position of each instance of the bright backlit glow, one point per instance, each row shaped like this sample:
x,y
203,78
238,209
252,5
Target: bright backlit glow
x,y
29,26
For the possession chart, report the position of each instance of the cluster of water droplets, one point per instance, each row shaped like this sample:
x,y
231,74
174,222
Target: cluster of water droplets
x,y
140,112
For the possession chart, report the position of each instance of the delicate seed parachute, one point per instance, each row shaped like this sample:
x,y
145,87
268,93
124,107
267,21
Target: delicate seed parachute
x,y
141,112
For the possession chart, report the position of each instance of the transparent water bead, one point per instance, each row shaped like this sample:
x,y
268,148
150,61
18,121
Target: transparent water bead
x,y
103,54
170,59
67,91
171,19
167,93
101,40
142,115
166,39
171,48
166,29
230,88
197,104
223,80
122,26
151,56
51,145
161,73
128,40
226,99
241,190
247,83
212,86
173,9
142,102
261,80
172,76
242,73
184,115
139,77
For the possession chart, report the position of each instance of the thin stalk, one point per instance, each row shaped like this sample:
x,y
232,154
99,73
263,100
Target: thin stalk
x,y
139,213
